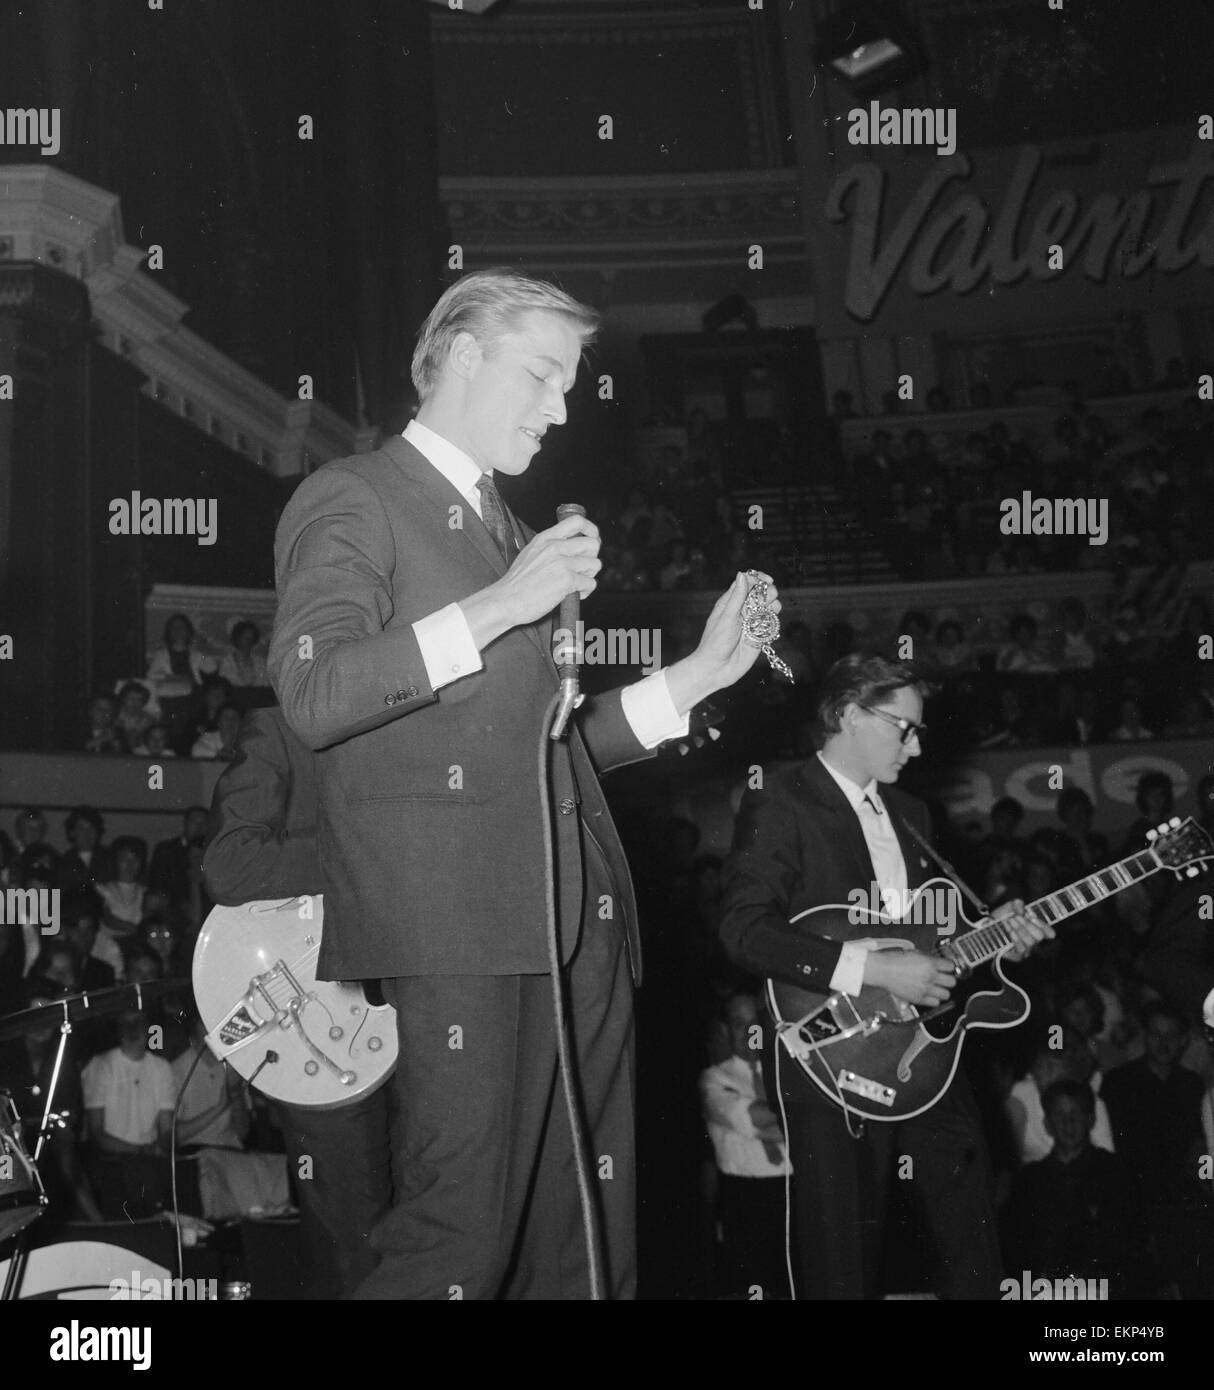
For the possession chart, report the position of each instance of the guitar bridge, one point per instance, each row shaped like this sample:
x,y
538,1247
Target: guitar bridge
x,y
866,1089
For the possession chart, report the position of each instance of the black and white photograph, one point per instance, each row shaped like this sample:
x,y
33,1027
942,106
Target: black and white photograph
x,y
606,667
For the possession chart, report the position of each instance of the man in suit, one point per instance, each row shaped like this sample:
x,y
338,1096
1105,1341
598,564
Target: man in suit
x,y
169,873
263,847
1178,958
810,837
413,653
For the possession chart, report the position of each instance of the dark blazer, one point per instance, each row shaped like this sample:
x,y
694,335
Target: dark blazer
x,y
798,844
429,829
1179,955
263,817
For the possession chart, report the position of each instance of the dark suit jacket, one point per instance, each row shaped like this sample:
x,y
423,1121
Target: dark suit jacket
x,y
263,817
798,844
1179,955
74,877
429,829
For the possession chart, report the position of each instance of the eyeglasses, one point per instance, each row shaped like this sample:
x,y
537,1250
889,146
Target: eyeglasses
x,y
909,729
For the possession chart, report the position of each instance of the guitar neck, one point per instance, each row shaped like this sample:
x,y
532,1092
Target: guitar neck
x,y
985,943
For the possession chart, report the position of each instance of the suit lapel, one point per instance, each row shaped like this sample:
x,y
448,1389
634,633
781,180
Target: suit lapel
x,y
823,789
432,492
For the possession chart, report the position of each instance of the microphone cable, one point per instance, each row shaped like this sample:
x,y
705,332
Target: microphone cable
x,y
568,1084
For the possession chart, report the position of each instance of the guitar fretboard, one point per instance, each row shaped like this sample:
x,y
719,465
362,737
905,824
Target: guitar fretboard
x,y
985,943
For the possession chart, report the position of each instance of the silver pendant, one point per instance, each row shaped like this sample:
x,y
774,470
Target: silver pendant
x,y
760,626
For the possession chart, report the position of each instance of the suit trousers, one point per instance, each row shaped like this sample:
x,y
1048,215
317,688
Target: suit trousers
x,y
485,1198
841,1190
341,1163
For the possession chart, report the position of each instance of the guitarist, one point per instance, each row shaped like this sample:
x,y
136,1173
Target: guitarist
x,y
263,846
811,836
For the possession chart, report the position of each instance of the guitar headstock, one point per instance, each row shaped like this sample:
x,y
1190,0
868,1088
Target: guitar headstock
x,y
1182,846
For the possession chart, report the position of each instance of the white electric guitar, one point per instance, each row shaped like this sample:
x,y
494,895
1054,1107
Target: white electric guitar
x,y
299,1040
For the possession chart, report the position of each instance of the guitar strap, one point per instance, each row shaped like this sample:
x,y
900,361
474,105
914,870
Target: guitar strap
x,y
979,906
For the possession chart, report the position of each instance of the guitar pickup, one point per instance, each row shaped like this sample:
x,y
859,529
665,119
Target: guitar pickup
x,y
863,1087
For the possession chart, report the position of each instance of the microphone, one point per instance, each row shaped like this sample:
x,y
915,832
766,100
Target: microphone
x,y
568,655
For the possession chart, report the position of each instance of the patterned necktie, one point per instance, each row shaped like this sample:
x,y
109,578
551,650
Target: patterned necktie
x,y
493,514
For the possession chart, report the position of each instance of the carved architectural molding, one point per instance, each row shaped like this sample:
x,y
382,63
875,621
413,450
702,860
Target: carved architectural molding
x,y
49,218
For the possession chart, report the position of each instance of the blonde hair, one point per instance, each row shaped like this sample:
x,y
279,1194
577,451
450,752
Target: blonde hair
x,y
489,304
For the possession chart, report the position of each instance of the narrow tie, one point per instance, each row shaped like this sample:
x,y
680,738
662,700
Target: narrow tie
x,y
873,805
493,514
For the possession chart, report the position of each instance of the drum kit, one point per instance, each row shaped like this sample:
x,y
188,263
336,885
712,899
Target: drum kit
x,y
22,1194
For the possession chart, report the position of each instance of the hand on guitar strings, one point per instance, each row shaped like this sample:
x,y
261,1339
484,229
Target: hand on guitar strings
x,y
1026,931
919,979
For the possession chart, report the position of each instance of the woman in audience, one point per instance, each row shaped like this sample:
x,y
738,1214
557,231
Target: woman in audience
x,y
245,667
122,900
133,718
177,670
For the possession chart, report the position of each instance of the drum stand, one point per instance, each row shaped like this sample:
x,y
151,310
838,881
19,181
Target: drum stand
x,y
16,1267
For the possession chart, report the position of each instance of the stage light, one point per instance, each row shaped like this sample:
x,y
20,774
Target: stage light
x,y
868,45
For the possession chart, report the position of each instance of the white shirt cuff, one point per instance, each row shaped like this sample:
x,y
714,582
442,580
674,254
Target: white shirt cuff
x,y
650,712
1207,1009
446,645
849,973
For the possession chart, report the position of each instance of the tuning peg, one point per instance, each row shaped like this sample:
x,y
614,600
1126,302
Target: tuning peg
x,y
1175,822
1191,871
1151,835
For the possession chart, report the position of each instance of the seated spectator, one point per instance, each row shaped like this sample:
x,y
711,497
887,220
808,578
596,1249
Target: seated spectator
x,y
1071,1213
1155,1107
88,861
244,666
1013,725
178,667
122,900
129,1097
169,874
1131,729
1155,798
750,1158
1076,718
1192,720
1073,1061
29,827
637,509
1074,648
155,743
1022,653
951,653
213,1124
134,719
213,696
81,920
104,735
219,742
1006,815
1084,849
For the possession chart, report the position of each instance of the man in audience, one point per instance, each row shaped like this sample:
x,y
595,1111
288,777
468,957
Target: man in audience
x,y
88,862
749,1147
169,874
129,1098
1072,1212
1155,1107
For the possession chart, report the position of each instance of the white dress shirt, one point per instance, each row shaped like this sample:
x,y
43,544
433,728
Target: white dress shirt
x,y
728,1091
447,647
889,866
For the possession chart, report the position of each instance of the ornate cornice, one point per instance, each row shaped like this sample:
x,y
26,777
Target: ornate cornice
x,y
35,292
51,219
694,219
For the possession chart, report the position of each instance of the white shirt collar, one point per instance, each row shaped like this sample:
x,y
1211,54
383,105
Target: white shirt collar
x,y
458,469
855,794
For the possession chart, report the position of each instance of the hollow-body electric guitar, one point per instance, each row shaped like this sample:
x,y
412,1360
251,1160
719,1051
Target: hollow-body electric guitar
x,y
297,1039
875,1055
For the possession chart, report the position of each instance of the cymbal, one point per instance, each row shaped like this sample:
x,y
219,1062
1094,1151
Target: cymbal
x,y
94,1003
